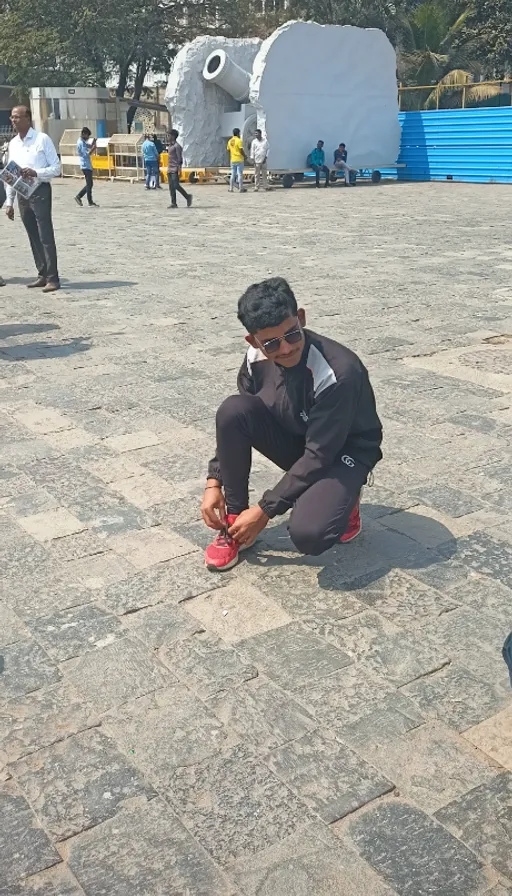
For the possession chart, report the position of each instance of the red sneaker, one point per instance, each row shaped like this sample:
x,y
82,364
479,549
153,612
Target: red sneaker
x,y
354,525
222,553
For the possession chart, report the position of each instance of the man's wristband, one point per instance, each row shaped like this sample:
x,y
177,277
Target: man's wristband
x,y
213,486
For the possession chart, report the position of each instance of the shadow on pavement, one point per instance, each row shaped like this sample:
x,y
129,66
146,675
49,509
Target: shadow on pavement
x,y
35,350
21,280
9,330
98,284
377,551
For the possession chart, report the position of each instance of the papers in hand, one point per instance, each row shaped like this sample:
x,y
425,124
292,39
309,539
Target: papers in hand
x,y
12,176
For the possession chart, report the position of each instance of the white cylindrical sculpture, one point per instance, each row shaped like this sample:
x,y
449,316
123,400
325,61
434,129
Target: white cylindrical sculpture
x,y
221,70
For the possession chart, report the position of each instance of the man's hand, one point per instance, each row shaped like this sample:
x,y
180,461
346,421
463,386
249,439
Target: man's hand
x,y
28,172
248,525
9,211
213,507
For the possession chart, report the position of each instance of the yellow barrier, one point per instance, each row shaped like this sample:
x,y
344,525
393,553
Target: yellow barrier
x,y
455,93
104,166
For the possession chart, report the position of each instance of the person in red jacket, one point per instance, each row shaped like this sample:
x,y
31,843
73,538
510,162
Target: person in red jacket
x,y
306,403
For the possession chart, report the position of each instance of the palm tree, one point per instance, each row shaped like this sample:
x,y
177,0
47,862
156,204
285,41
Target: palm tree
x,y
433,60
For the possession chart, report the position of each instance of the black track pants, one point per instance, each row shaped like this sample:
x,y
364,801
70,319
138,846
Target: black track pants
x,y
321,513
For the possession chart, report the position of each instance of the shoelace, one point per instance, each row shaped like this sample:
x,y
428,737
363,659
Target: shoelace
x,y
224,539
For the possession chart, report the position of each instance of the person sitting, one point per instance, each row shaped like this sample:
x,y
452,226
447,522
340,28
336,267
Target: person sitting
x,y
306,403
340,162
316,161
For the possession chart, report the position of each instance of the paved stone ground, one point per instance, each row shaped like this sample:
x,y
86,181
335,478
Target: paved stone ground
x,y
334,725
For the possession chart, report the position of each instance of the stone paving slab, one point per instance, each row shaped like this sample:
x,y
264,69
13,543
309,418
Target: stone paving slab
x,y
56,882
488,834
77,783
320,725
235,805
25,847
145,850
330,778
166,730
416,855
313,860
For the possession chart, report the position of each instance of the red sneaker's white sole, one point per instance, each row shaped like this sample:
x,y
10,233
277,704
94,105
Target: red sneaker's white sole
x,y
352,537
212,568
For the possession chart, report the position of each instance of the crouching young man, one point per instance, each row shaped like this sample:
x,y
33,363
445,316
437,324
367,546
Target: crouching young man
x,y
306,403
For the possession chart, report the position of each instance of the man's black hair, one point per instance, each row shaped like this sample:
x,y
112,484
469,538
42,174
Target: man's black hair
x,y
236,132
343,144
85,131
175,133
266,304
27,109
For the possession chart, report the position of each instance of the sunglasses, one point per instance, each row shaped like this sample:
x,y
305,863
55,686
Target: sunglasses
x,y
273,345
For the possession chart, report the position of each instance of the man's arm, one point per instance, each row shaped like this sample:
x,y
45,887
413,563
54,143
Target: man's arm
x,y
179,156
10,192
329,425
52,167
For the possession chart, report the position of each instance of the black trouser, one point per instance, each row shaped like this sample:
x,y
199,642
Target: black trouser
x,y
87,173
36,214
175,187
317,169
321,513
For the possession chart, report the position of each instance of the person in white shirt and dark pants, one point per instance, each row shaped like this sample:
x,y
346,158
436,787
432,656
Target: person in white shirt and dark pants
x,y
35,153
259,152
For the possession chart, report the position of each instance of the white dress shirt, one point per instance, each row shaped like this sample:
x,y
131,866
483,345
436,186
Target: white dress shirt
x,y
35,151
259,150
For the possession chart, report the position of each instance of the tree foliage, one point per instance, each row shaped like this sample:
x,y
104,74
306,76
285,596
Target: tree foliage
x,y
487,30
95,42
63,42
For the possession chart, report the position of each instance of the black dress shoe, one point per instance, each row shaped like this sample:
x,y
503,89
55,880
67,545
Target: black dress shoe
x,y
37,284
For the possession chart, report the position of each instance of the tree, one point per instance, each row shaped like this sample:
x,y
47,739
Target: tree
x,y
439,57
388,15
487,29
65,43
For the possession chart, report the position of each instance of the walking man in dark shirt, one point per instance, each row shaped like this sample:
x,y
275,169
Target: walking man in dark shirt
x,y
307,404
174,167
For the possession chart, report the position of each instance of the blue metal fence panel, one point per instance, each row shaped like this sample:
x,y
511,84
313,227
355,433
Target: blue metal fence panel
x,y
473,145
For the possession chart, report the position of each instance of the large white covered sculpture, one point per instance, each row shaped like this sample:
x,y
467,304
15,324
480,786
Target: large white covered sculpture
x,y
305,83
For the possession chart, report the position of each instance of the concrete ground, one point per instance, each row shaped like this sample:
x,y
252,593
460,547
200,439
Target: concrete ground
x,y
322,726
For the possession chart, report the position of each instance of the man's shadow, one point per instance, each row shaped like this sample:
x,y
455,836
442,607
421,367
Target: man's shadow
x,y
9,331
377,551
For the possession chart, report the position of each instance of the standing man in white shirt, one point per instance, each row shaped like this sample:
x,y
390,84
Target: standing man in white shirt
x,y
35,153
259,153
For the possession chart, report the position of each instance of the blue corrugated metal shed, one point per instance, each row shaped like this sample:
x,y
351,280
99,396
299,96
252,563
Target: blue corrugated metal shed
x,y
472,145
